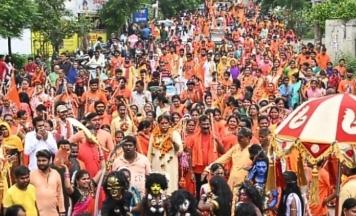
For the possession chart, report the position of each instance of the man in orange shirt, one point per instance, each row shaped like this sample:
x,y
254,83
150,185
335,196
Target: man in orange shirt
x,y
116,62
323,59
122,90
94,94
100,109
324,192
204,148
189,67
104,138
348,84
69,98
192,94
48,184
341,67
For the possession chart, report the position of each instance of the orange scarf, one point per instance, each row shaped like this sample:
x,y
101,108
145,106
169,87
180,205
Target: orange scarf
x,y
142,141
197,153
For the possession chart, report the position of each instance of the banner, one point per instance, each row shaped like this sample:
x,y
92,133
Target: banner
x,y
140,16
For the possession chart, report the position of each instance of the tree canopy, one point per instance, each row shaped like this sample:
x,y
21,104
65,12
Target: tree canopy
x,y
115,13
332,9
54,22
15,16
291,5
171,8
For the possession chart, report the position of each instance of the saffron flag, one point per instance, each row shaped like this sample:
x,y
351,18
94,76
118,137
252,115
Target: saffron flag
x,y
13,94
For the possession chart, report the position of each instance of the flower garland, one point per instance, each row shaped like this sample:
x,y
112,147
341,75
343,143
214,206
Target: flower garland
x,y
166,144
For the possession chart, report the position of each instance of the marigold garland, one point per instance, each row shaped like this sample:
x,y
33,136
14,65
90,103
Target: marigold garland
x,y
166,144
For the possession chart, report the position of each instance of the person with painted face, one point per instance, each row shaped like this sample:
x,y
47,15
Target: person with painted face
x,y
156,202
258,172
183,203
48,184
117,202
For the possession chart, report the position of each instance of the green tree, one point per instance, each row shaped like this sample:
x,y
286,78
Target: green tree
x,y
14,17
289,10
170,8
115,13
330,9
54,22
84,25
290,5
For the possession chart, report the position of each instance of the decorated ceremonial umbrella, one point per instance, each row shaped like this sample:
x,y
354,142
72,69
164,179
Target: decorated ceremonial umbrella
x,y
319,125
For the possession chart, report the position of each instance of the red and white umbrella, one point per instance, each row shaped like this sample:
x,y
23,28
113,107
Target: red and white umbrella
x,y
320,122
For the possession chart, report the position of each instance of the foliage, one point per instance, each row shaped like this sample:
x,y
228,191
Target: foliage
x,y
350,61
15,16
83,25
332,9
115,13
19,60
291,11
171,8
290,5
54,21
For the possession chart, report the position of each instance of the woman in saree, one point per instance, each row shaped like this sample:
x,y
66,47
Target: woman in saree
x,y
164,145
82,189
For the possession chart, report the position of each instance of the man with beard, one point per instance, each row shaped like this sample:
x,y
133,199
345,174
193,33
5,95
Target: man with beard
x,y
22,193
63,128
141,96
75,163
123,90
94,94
69,98
87,149
122,122
100,109
204,147
38,139
348,84
137,163
48,184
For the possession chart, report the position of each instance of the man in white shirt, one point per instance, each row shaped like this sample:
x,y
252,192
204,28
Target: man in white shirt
x,y
98,60
37,140
140,97
209,68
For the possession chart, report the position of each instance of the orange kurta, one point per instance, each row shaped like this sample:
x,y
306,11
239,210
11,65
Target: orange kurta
x,y
324,192
89,98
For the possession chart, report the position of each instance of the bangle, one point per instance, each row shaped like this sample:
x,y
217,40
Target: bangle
x,y
101,157
66,175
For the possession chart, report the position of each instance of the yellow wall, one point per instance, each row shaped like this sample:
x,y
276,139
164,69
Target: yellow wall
x,y
70,44
93,36
37,45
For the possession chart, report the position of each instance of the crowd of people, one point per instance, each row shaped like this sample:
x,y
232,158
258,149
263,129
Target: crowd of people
x,y
171,122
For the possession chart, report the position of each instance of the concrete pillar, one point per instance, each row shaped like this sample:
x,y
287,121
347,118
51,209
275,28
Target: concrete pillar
x,y
335,33
350,39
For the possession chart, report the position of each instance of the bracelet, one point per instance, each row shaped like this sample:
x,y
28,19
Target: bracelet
x,y
101,158
66,175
